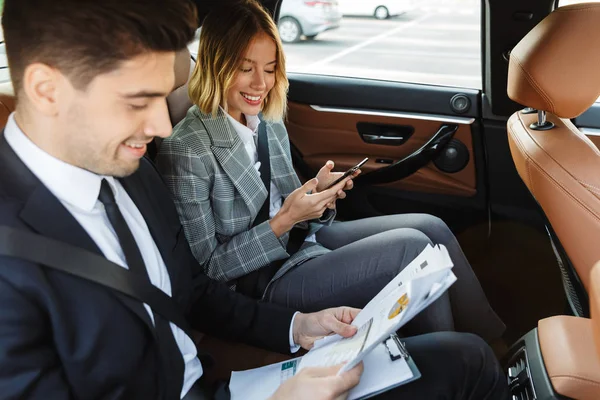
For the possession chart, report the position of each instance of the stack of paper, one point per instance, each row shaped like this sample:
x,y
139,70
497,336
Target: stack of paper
x,y
423,281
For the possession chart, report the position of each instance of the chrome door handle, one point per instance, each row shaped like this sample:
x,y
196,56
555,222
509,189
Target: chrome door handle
x,y
381,139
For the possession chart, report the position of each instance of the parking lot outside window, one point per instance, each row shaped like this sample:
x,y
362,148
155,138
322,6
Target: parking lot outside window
x,y
434,42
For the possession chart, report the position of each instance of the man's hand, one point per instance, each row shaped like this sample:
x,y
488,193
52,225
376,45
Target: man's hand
x,y
310,327
319,384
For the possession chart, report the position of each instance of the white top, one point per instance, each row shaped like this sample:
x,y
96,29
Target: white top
x,y
248,134
78,189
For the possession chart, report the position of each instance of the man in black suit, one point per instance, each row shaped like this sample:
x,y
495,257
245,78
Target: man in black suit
x,y
91,79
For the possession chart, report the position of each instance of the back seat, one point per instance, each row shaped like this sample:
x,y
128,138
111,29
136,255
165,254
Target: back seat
x,y
7,106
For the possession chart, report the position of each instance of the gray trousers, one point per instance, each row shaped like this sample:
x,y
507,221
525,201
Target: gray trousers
x,y
368,253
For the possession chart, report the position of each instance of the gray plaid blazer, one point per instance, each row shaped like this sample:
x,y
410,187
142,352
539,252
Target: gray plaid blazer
x,y
218,194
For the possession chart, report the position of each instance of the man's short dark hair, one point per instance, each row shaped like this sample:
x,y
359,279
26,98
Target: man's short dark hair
x,y
86,38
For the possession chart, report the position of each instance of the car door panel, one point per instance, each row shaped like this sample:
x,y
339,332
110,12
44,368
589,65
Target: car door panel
x,y
325,135
323,122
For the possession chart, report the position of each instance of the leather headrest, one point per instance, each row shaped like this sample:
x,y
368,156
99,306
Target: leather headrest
x,y
178,101
182,67
556,66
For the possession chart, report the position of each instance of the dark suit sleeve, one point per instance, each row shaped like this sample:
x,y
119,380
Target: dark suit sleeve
x,y
213,308
220,312
29,365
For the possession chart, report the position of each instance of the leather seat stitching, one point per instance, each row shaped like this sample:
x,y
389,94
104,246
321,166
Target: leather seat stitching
x,y
554,181
556,184
579,135
577,378
534,83
576,133
592,188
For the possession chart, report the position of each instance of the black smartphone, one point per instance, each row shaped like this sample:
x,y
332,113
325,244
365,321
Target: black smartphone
x,y
348,173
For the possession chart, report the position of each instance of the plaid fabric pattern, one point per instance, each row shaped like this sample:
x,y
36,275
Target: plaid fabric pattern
x,y
218,193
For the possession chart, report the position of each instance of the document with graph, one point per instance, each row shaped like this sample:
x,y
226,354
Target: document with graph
x,y
376,344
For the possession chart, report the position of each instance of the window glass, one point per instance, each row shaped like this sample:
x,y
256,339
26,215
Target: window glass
x,y
4,73
423,41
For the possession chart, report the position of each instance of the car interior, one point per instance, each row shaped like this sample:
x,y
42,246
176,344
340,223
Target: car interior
x,y
509,168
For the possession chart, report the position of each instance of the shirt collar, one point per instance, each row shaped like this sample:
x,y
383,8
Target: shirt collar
x,y
68,183
248,131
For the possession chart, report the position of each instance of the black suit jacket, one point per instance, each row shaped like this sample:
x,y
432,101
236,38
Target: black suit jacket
x,y
65,337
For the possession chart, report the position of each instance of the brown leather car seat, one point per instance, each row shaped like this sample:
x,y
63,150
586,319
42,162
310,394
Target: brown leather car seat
x,y
7,105
570,348
555,71
595,306
178,101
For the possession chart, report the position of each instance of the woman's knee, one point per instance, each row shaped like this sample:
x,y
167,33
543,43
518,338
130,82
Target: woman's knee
x,y
410,236
435,228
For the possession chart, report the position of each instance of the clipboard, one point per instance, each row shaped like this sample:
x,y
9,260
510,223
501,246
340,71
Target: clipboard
x,y
396,351
260,383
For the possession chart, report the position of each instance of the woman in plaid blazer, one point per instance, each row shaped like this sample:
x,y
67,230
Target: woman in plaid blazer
x,y
212,165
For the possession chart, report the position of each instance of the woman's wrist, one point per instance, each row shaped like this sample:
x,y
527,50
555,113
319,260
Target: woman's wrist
x,y
281,223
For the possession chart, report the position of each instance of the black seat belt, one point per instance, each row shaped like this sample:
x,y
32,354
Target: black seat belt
x,y
255,283
73,260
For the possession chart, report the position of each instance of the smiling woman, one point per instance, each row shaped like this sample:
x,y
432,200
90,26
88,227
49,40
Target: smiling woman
x,y
249,220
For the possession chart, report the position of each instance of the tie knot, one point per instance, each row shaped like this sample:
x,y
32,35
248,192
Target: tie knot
x,y
106,195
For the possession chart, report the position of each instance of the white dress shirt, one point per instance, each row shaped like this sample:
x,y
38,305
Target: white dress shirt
x,y
78,189
248,134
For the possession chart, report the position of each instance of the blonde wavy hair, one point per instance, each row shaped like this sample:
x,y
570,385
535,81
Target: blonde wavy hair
x,y
225,36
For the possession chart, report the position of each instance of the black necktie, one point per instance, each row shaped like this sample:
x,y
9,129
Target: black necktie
x,y
171,358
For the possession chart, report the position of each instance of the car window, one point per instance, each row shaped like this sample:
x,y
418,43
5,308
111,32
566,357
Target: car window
x,y
424,41
4,73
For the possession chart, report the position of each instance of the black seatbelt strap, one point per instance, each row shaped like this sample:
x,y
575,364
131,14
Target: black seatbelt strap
x,y
73,260
265,172
255,283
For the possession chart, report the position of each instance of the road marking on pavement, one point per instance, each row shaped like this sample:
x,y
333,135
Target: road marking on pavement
x,y
366,43
436,43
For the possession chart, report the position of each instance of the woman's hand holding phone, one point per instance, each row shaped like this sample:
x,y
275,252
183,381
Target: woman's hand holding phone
x,y
304,204
327,179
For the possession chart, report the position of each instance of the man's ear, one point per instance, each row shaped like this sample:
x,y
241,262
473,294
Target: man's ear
x,y
41,85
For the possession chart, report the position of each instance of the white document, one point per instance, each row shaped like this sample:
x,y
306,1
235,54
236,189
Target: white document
x,y
380,373
422,282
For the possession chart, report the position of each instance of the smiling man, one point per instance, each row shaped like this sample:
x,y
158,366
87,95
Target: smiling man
x,y
91,78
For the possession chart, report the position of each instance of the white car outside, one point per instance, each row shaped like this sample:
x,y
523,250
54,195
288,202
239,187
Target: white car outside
x,y
307,18
380,9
